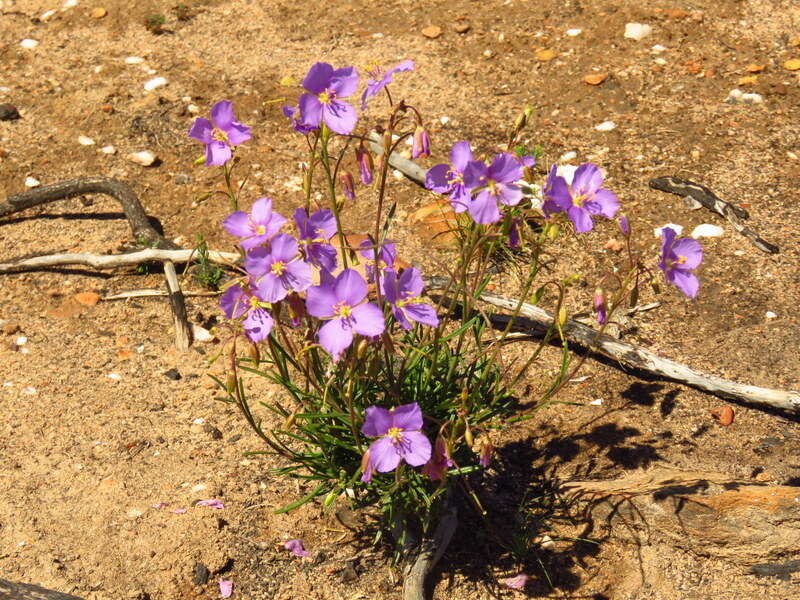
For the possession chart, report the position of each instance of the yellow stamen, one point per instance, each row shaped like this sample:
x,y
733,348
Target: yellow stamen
x,y
278,268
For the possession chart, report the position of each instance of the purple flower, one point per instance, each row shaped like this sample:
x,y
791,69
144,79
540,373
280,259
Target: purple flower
x,y
436,467
599,302
322,104
385,258
678,259
315,231
341,302
513,232
365,164
378,80
518,582
403,294
486,453
584,197
278,270
449,179
624,226
293,113
399,439
220,133
497,183
421,145
257,227
235,303
296,547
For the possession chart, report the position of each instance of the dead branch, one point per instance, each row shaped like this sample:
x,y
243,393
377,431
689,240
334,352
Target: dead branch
x,y
23,591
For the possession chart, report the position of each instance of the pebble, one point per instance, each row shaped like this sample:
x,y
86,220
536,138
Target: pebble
x,y
144,158
444,120
432,32
658,49
677,228
155,82
173,374
637,31
737,96
193,108
29,391
134,60
182,179
47,15
707,230
660,61
32,182
70,3
98,13
85,141
752,98
108,150
597,402
770,315
8,112
568,156
201,334
114,376
21,340
135,513
29,43
574,32
605,126
201,574
462,27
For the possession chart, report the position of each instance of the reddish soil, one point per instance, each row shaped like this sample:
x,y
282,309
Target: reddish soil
x,y
85,457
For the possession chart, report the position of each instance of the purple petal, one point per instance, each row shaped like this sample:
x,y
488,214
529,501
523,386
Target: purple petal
x,y
557,190
320,300
323,255
350,287
580,219
234,302
368,320
201,130
222,115
335,337
318,78
283,247
238,133
390,287
690,250
407,416
344,82
212,503
298,275
605,203
325,221
399,314
587,179
238,224
422,313
271,288
296,547
483,209
217,153
261,211
505,168
517,582
411,282
384,455
416,450
225,588
258,262
685,281
436,179
513,234
460,155
510,195
310,110
624,226
340,117
475,173
377,421
257,325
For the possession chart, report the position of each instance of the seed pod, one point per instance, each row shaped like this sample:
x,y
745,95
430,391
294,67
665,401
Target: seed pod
x,y
562,316
255,354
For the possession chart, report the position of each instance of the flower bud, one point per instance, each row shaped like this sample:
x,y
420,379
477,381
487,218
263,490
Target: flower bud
x,y
600,306
297,307
348,185
513,234
552,231
421,145
562,316
486,453
230,383
365,164
468,435
624,227
255,354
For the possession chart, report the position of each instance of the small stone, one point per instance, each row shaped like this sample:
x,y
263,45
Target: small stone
x,y
87,298
597,402
707,230
568,156
134,60
660,61
47,15
70,3
658,49
8,112
29,390
85,141
108,150
215,433
114,376
107,108
135,513
193,108
770,315
574,32
752,98
21,340
29,44
154,83
545,55
144,158
202,335
637,31
462,27
182,179
754,68
32,182
98,13
173,374
723,415
595,78
488,53
793,64
605,126
614,245
432,32
734,96
201,574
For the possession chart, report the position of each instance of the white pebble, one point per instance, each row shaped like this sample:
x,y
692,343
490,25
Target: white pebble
x,y
98,69
199,421
678,229
199,488
8,384
144,158
658,49
444,120
739,252
752,98
547,542
29,43
108,150
487,53
85,141
201,334
770,315
397,174
597,402
32,182
155,82
637,31
114,376
605,126
70,3
792,155
46,15
134,60
193,108
574,32
568,156
734,96
21,340
707,230
135,513
660,61
29,391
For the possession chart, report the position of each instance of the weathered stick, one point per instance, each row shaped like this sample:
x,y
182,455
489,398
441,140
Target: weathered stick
x,y
183,331
151,293
426,554
113,261
407,167
25,591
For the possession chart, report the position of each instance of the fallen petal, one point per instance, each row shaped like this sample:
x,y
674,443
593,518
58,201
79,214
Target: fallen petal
x,y
179,511
296,547
213,503
225,588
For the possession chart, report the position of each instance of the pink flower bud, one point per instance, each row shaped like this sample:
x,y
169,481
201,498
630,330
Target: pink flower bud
x,y
600,306
348,185
421,145
365,164
624,227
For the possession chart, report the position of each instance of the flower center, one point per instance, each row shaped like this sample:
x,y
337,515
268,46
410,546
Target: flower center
x,y
327,96
580,199
493,187
680,260
253,303
278,267
342,310
454,176
396,434
219,135
261,229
